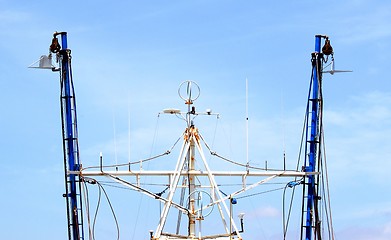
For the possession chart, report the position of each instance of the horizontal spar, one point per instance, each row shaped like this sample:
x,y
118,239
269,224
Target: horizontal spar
x,y
197,173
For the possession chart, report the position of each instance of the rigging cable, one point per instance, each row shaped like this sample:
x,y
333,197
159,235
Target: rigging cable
x,y
87,203
305,133
117,186
141,166
320,180
259,193
285,224
322,152
74,130
127,164
101,188
96,213
214,136
320,162
136,162
228,160
327,194
147,192
297,169
155,134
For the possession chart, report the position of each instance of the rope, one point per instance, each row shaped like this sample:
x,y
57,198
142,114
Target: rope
x,y
259,193
112,210
327,195
213,153
135,162
87,203
127,164
100,188
304,134
293,185
96,213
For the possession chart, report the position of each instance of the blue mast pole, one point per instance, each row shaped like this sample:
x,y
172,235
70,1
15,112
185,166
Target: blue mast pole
x,y
314,138
70,140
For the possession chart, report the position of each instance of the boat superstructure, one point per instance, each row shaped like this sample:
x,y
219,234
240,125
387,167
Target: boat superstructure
x,y
195,181
192,190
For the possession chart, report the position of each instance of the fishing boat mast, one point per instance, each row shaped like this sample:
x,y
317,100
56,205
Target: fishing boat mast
x,y
310,211
200,202
185,168
69,132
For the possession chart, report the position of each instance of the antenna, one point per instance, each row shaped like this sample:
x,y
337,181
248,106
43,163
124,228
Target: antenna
x,y
129,130
115,143
247,161
283,128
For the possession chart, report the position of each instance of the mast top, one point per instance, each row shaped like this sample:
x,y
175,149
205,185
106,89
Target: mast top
x,y
189,91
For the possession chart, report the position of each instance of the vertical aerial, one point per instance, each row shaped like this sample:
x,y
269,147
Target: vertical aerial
x,y
70,139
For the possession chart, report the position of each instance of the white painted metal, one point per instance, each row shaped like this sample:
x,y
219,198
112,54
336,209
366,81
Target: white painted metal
x,y
173,187
255,173
216,190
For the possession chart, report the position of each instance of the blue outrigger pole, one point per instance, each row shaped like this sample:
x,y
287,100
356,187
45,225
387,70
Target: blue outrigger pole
x,y
311,222
70,138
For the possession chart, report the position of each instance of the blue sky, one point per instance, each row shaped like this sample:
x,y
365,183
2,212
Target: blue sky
x,y
131,56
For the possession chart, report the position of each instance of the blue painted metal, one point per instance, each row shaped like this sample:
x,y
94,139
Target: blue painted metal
x,y
313,139
70,144
293,184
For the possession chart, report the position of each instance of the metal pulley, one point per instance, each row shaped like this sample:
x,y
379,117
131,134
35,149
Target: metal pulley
x,y
327,49
55,46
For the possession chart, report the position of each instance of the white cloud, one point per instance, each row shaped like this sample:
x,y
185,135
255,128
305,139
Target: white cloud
x,y
381,232
387,229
